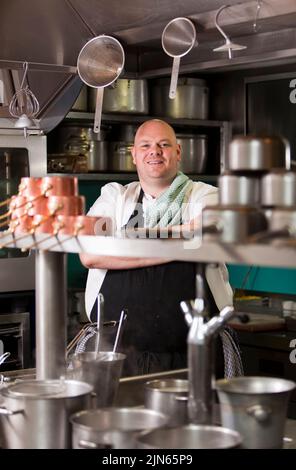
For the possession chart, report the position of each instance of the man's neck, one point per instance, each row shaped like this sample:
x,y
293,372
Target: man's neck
x,y
155,188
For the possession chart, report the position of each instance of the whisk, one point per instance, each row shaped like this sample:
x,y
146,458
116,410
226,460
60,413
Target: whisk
x,y
24,104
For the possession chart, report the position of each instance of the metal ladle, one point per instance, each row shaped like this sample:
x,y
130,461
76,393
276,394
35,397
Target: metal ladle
x,y
99,64
229,45
178,38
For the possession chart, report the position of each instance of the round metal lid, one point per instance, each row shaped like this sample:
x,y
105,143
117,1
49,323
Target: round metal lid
x,y
36,389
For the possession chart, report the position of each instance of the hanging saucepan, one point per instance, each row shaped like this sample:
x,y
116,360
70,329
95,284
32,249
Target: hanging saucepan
x,y
178,38
99,64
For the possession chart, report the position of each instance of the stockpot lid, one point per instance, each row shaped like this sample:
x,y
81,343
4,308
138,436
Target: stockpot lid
x,y
47,389
182,81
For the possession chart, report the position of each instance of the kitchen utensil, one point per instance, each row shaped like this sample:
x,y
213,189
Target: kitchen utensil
x,y
112,427
258,154
191,436
192,99
278,189
123,317
229,45
256,407
236,190
24,104
35,414
232,224
101,370
124,96
99,64
194,152
170,397
178,38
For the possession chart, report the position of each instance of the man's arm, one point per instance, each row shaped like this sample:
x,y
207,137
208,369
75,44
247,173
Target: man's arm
x,y
114,262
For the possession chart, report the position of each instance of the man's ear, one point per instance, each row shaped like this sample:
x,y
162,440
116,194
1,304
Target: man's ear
x,y
179,152
133,154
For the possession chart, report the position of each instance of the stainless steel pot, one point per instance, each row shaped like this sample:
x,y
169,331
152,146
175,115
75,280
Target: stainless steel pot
x,y
124,96
121,159
189,437
194,153
112,427
260,154
235,190
191,101
36,414
279,189
256,407
232,224
97,155
169,397
75,140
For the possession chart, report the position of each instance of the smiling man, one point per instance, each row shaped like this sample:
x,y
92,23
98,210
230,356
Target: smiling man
x,y
151,288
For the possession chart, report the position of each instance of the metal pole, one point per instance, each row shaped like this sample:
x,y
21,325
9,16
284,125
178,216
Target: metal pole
x,y
51,309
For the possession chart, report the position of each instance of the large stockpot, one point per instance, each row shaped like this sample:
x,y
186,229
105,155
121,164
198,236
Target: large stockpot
x,y
124,96
191,436
194,152
36,414
191,101
169,397
279,189
255,407
232,224
239,190
258,153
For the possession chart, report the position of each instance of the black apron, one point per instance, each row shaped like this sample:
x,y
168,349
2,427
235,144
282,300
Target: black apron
x,y
155,332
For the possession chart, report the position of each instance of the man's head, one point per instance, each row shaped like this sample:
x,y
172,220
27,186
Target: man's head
x,y
156,153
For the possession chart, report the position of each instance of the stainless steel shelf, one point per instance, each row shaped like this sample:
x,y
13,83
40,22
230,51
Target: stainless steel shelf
x,y
278,255
132,118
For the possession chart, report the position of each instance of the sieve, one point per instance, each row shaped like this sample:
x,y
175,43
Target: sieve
x,y
178,38
99,64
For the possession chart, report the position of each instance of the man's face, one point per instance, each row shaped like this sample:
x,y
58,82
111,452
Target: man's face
x,y
156,153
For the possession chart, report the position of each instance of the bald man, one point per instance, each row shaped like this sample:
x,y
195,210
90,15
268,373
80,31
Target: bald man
x,y
150,288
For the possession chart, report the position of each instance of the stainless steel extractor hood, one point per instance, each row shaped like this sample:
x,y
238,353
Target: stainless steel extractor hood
x,y
50,34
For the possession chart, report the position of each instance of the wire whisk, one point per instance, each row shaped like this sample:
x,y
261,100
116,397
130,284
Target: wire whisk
x,y
24,104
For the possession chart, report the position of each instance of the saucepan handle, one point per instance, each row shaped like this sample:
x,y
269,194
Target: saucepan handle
x,y
98,113
6,412
93,445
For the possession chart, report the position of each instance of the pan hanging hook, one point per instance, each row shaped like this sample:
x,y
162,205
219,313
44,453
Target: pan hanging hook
x,y
229,45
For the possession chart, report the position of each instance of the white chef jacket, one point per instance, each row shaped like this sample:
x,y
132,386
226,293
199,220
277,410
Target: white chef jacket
x,y
118,203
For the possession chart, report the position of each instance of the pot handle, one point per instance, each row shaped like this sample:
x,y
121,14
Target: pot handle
x,y
287,153
181,398
259,412
93,445
6,412
98,111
